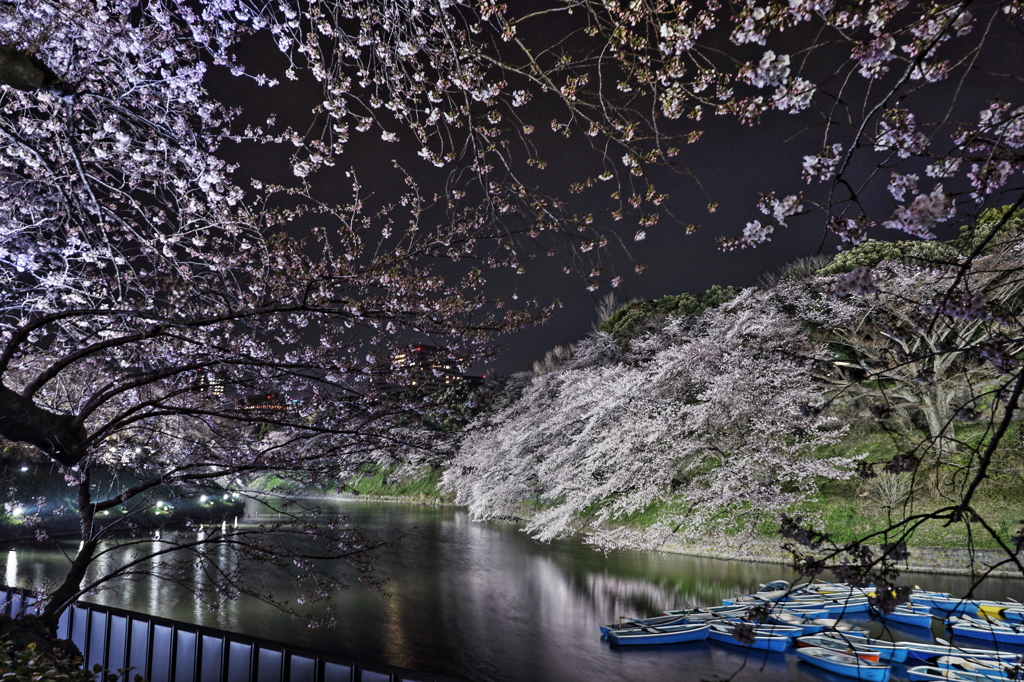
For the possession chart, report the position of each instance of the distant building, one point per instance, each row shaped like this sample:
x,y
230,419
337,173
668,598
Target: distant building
x,y
213,385
426,368
209,384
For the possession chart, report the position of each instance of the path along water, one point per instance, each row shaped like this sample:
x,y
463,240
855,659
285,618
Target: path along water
x,y
483,602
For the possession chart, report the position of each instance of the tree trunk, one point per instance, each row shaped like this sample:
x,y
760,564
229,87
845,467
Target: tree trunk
x,y
23,72
939,415
22,421
62,597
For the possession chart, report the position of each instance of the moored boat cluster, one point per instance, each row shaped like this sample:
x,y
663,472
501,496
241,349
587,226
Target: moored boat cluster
x,y
810,620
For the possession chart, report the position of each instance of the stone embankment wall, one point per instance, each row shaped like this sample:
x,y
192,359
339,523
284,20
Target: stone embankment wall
x,y
950,561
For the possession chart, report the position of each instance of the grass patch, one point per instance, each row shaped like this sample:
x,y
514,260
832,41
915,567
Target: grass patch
x,y
376,480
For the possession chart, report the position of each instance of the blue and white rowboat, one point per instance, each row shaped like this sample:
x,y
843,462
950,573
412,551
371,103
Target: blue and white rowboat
x,y
674,634
637,623
905,616
948,605
889,652
861,651
844,664
925,652
809,611
1013,615
928,673
723,633
993,670
976,629
709,612
747,599
840,626
807,627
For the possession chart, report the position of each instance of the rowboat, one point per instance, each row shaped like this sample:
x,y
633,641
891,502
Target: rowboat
x,y
673,634
781,630
723,633
836,608
709,612
774,586
638,623
845,608
889,652
844,664
928,673
802,611
925,652
992,670
757,597
807,626
766,629
1013,615
948,605
825,587
839,625
861,651
988,607
976,629
905,616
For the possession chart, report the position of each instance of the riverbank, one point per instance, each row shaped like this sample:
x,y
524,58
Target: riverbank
x,y
844,512
936,560
922,559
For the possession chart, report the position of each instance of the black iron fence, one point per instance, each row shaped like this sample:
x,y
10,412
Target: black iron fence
x,y
163,650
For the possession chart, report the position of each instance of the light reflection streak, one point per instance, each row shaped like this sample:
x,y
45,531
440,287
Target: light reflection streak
x,y
11,574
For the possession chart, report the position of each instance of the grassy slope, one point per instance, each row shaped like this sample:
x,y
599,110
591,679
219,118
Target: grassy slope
x,y
377,481
373,480
850,509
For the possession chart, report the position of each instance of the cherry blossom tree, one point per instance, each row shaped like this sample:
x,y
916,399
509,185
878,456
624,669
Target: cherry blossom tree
x,y
144,297
701,418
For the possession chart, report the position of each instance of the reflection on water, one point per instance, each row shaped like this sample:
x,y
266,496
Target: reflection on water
x,y
11,572
485,602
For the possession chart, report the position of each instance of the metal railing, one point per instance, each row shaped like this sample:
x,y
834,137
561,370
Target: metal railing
x,y
164,650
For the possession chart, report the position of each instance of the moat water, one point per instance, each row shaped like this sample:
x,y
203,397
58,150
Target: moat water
x,y
482,601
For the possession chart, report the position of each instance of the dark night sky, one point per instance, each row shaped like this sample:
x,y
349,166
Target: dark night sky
x,y
733,163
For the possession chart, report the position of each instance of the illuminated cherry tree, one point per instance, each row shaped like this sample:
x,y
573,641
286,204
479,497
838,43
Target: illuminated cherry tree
x,y
702,418
146,301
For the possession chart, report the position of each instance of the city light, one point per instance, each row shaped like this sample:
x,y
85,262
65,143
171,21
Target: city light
x,y
18,511
24,468
203,498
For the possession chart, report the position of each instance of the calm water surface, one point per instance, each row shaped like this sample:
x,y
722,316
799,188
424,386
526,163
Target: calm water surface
x,y
482,601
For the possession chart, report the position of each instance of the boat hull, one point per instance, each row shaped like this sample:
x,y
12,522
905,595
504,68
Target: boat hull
x,y
841,664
